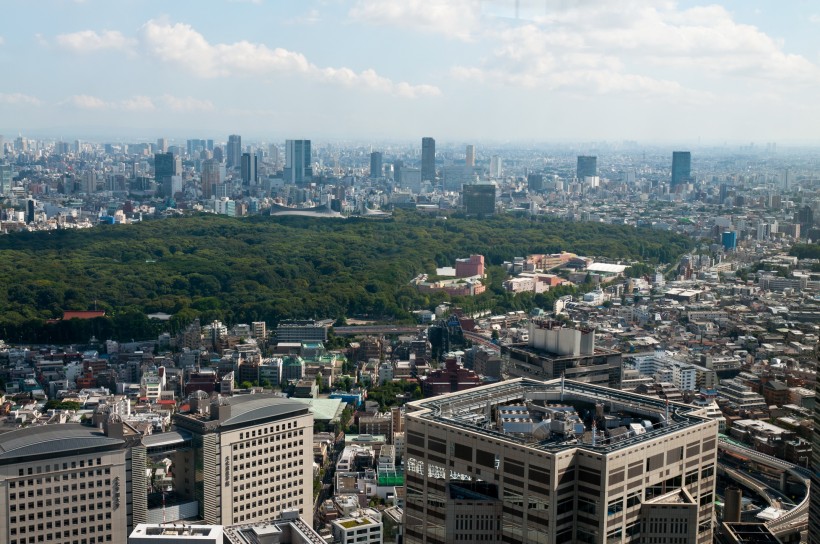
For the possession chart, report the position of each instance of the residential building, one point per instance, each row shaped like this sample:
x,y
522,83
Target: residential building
x,y
555,477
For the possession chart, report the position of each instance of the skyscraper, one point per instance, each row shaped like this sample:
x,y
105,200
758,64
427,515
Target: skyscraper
x,y
681,169
558,461
587,167
470,158
5,178
210,177
162,145
298,162
166,166
234,151
248,169
535,182
496,166
428,159
479,199
376,165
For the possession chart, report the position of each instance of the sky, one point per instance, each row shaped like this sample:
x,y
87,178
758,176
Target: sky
x,y
393,70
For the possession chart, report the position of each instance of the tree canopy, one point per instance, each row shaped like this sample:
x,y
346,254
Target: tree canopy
x,y
267,268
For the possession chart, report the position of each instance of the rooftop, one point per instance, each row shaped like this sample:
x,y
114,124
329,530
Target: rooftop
x,y
562,415
52,440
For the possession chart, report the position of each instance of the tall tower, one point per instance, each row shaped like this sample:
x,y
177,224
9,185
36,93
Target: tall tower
x,y
376,165
249,163
166,166
210,177
428,159
470,159
681,169
298,163
162,145
234,151
587,167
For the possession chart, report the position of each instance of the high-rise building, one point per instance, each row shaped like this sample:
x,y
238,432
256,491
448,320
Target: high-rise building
x,y
729,240
587,167
428,159
162,145
66,483
469,161
251,457
496,166
535,182
210,177
248,169
376,165
298,162
558,461
31,206
681,169
6,175
805,217
166,167
479,199
233,151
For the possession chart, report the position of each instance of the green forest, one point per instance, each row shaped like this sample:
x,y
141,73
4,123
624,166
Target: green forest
x,y
265,268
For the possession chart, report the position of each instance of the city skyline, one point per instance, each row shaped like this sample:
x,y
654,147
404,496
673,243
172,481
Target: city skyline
x,y
545,71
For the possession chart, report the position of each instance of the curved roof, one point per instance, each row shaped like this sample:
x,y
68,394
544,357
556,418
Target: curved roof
x,y
52,440
245,409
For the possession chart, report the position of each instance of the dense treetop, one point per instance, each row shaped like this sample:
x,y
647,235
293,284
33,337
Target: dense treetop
x,y
266,268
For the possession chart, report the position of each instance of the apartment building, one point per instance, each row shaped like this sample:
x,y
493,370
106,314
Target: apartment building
x,y
585,463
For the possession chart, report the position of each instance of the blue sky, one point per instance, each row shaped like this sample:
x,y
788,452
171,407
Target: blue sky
x,y
374,70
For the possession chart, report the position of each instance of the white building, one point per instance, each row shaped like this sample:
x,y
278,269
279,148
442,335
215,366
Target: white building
x,y
363,527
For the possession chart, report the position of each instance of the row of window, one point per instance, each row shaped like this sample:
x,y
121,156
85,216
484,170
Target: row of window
x,y
267,430
82,530
49,479
65,489
41,538
267,511
260,452
48,468
268,491
266,470
65,511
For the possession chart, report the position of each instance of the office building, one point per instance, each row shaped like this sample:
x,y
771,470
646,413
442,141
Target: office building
x,y
302,331
681,169
376,165
496,166
358,529
251,457
31,206
469,161
805,217
162,145
587,167
248,169
6,176
428,159
729,240
166,167
478,199
211,177
554,350
233,152
535,182
67,483
528,461
298,162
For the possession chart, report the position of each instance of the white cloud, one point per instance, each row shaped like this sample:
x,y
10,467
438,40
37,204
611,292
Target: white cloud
x,y
87,41
138,103
310,18
456,18
182,45
611,47
18,99
87,102
186,104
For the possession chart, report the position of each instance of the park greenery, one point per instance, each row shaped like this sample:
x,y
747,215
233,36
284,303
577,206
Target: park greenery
x,y
265,268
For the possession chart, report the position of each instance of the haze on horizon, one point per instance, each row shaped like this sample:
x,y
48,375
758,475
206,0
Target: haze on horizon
x,y
470,70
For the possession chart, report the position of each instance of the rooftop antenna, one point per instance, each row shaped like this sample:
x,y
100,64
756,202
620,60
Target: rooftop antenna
x,y
594,433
